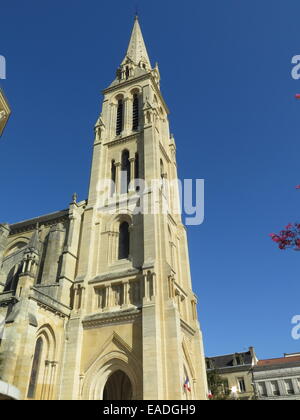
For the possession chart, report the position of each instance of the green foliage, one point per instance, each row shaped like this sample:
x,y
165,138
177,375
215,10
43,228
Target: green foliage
x,y
218,386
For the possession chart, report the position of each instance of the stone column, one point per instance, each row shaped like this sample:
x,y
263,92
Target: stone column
x,y
118,177
145,287
153,280
127,116
107,297
112,120
126,293
132,174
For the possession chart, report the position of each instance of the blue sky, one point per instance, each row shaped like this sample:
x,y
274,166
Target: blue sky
x,y
225,70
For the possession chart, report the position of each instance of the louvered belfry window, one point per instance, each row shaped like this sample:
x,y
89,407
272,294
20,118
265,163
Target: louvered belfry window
x,y
135,113
125,175
120,112
124,241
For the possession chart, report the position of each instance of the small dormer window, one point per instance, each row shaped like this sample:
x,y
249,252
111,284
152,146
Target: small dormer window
x,y
238,359
127,73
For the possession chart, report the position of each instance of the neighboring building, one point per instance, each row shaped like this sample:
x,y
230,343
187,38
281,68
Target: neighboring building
x,y
278,379
98,304
4,111
236,372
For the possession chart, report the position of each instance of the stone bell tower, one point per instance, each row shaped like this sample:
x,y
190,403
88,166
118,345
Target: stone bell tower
x,y
135,319
96,300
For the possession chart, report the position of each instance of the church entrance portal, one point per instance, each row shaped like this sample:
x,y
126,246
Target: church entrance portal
x,y
118,387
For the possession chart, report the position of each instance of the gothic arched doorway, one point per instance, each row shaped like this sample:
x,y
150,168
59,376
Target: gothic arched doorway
x,y
118,387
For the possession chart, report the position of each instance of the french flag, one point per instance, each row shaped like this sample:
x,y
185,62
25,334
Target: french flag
x,y
187,385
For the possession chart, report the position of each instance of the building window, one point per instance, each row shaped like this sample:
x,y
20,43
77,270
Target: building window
x,y
161,169
136,171
135,112
275,388
113,177
125,176
35,368
13,279
120,112
262,389
124,239
289,387
241,383
226,386
101,297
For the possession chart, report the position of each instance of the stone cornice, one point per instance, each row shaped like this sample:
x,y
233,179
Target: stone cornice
x,y
49,303
277,370
231,369
120,140
47,220
115,275
135,81
120,317
186,327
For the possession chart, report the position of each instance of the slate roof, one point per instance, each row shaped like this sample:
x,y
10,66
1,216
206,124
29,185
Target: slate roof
x,y
228,360
30,224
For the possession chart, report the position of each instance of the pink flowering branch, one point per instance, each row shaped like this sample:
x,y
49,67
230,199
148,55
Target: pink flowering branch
x,y
289,237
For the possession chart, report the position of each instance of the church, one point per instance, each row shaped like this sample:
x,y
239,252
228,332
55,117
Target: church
x,y
96,301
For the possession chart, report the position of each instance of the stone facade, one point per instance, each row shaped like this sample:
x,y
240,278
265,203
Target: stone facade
x,y
278,379
4,111
97,299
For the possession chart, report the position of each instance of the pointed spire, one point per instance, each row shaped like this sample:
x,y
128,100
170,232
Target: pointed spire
x,y
137,51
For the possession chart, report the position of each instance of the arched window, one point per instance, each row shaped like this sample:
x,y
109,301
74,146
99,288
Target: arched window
x,y
13,278
15,248
125,178
113,177
161,169
136,167
135,112
137,172
124,240
35,368
120,112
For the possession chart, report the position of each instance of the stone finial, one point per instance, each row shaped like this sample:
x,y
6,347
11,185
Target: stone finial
x,y
74,198
4,231
99,128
